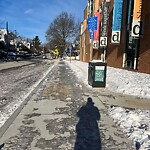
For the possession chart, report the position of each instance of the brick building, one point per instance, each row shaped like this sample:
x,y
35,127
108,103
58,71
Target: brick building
x,y
124,42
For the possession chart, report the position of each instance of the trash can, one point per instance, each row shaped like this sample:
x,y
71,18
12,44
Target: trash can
x,y
97,73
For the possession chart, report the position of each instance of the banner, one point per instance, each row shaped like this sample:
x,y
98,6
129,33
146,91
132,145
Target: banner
x,y
117,19
138,18
97,31
104,24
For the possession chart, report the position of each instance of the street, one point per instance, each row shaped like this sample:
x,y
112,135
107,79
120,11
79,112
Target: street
x,y
61,113
17,82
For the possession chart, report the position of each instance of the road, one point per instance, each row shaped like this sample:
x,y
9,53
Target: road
x,y
17,79
61,114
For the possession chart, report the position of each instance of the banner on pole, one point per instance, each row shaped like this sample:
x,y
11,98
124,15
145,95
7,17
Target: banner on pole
x,y
97,31
117,19
104,24
138,18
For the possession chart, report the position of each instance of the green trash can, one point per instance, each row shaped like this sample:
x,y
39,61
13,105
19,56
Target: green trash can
x,y
97,74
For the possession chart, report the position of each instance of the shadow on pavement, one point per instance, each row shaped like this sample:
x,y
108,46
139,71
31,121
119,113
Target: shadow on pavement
x,y
88,135
1,146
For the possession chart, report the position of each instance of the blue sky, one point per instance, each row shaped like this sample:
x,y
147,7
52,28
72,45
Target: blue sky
x,y
33,17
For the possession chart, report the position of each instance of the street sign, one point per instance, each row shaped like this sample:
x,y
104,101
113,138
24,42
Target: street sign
x,y
70,48
91,35
92,23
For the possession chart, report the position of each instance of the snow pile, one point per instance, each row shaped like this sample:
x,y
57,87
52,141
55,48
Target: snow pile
x,y
128,82
135,123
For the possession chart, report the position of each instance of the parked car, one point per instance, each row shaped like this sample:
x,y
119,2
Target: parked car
x,y
3,54
11,55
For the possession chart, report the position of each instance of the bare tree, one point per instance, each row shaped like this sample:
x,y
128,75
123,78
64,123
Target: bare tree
x,y
62,30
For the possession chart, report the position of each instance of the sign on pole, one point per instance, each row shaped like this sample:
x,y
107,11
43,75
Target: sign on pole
x,y
70,48
92,23
91,34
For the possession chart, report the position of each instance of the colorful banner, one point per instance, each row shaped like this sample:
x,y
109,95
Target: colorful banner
x,y
117,19
97,31
104,24
138,17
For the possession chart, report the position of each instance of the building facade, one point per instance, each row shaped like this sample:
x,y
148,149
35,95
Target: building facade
x,y
124,34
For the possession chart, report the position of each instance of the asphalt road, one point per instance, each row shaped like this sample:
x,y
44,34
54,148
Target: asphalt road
x,y
17,80
63,114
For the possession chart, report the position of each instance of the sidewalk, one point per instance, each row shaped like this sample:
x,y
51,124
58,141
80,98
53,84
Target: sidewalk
x,y
110,97
118,80
48,120
126,97
129,112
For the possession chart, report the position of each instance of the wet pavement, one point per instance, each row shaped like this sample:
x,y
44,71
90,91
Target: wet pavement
x,y
59,115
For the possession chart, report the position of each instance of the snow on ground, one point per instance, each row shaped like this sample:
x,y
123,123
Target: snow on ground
x,y
135,123
118,80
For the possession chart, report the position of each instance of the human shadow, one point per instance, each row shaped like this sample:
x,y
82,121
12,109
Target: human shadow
x,y
88,135
2,145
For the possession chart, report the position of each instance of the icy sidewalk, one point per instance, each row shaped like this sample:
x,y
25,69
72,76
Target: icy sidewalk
x,y
134,122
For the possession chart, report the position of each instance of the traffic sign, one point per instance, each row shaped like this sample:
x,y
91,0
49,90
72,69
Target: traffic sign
x,y
92,23
70,48
91,34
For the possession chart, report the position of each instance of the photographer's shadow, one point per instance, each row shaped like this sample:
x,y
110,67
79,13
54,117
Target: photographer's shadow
x,y
88,135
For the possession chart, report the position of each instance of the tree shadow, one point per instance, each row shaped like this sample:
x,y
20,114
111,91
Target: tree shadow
x,y
88,135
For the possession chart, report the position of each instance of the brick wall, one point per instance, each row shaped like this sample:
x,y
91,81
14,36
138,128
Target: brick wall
x,y
114,54
144,53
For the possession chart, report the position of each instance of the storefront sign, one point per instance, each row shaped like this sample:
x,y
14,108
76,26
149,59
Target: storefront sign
x,y
117,19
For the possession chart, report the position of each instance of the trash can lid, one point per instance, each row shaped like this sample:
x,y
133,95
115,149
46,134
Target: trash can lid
x,y
94,60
